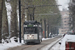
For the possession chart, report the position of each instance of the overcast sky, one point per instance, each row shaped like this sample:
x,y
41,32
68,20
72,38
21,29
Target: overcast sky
x,y
64,4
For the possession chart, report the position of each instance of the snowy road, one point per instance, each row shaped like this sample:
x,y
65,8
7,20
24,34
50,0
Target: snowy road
x,y
37,46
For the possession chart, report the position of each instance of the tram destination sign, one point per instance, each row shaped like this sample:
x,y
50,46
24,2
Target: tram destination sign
x,y
29,25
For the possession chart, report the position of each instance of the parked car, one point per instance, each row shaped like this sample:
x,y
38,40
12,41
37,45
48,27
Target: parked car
x,y
69,37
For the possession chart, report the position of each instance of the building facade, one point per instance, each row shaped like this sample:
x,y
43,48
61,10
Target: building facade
x,y
65,22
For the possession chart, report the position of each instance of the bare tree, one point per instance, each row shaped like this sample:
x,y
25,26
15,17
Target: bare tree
x,y
5,23
14,20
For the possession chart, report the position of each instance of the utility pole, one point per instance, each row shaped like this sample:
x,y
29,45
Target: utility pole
x,y
48,28
1,9
20,21
45,27
33,12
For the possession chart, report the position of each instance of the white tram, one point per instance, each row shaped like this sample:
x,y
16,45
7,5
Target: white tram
x,y
32,32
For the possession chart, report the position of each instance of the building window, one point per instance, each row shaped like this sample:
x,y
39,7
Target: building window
x,y
64,18
65,24
64,21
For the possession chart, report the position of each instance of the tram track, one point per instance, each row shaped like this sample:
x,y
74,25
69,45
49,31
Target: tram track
x,y
50,46
20,48
26,47
35,46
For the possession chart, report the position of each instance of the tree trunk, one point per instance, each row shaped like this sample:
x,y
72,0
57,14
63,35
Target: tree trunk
x,y
22,15
14,30
5,23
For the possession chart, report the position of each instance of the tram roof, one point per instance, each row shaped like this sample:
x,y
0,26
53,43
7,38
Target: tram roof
x,y
31,22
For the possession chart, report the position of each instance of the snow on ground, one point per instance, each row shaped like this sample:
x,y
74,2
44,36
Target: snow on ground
x,y
47,38
8,45
5,46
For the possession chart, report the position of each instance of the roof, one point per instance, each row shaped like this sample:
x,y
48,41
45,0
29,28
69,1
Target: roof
x,y
31,22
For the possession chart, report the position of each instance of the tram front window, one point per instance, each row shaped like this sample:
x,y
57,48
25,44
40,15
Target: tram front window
x,y
30,30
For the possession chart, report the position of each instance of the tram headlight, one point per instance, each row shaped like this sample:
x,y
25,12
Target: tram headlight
x,y
34,25
25,25
30,35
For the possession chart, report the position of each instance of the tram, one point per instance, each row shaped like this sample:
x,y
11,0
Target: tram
x,y
32,32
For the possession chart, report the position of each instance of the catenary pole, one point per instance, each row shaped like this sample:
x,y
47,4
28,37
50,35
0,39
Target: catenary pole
x,y
20,21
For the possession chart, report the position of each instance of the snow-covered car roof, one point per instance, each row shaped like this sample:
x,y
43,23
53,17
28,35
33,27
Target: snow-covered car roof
x,y
69,37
